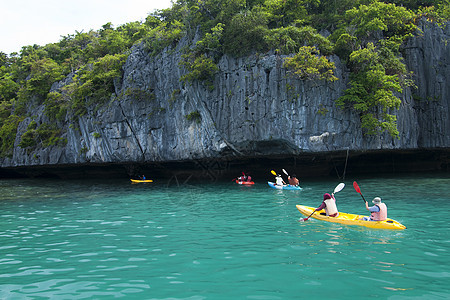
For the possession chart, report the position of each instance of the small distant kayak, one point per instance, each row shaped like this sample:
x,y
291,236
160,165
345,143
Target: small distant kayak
x,y
245,182
350,219
283,187
141,180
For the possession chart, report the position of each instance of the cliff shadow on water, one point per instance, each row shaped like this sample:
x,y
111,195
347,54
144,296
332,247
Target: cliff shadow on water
x,y
337,164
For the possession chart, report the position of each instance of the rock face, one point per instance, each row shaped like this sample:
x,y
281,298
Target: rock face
x,y
428,56
255,110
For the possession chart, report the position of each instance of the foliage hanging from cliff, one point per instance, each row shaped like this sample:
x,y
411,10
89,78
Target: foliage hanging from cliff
x,y
55,107
308,64
198,64
289,39
162,36
245,33
94,84
370,20
44,135
376,77
211,42
8,132
194,116
199,68
378,73
440,13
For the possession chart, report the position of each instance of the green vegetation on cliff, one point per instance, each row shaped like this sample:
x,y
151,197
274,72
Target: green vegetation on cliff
x,y
366,34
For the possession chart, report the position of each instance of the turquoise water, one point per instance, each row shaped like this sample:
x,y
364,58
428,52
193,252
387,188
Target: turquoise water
x,y
103,240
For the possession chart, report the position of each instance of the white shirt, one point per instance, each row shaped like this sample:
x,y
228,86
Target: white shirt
x,y
279,180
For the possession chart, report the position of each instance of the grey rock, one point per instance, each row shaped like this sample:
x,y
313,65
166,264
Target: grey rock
x,y
255,109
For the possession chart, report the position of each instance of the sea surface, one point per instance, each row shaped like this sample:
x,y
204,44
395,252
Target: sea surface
x,y
100,239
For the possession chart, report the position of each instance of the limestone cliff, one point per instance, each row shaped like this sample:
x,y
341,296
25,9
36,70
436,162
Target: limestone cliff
x,y
254,110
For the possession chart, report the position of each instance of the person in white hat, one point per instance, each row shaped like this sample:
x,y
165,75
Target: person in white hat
x,y
378,212
279,180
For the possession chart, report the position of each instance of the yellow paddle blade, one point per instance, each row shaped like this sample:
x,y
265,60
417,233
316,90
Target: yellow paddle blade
x,y
273,172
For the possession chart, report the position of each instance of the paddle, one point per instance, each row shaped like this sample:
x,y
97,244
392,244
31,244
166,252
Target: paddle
x,y
358,190
306,219
284,171
337,189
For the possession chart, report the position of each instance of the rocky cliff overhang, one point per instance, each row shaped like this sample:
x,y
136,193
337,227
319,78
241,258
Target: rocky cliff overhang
x,y
336,164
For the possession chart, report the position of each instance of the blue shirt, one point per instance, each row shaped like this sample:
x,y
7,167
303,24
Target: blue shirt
x,y
374,208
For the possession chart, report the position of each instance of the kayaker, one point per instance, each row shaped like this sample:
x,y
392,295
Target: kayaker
x,y
279,180
293,180
143,177
329,204
245,178
378,211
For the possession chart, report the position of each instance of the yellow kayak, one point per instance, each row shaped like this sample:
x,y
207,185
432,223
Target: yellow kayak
x,y
350,219
141,180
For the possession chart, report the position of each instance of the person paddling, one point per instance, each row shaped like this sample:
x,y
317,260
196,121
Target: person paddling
x,y
329,204
293,180
378,211
279,180
245,178
249,178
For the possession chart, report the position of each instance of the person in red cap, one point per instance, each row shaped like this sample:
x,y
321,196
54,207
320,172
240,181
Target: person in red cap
x,y
329,204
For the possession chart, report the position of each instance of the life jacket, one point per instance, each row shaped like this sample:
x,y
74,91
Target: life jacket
x,y
380,215
249,178
330,207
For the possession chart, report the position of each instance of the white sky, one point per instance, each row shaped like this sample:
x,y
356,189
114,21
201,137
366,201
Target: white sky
x,y
29,22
